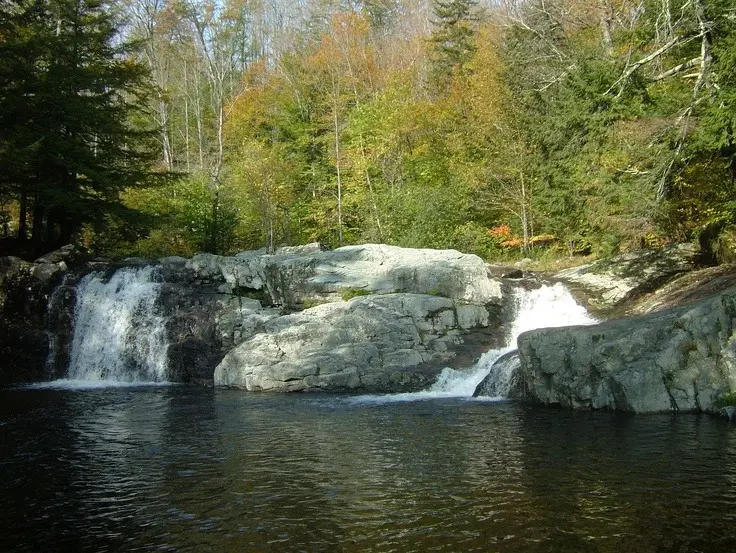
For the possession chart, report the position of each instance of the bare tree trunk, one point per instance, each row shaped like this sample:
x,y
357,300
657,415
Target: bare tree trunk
x,y
23,216
186,121
606,18
198,111
336,92
524,214
706,57
165,142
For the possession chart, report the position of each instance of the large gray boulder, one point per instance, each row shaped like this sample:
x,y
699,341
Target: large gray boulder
x,y
295,301
378,343
680,359
299,277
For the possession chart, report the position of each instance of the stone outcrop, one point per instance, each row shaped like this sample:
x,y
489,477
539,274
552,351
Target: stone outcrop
x,y
286,321
25,290
680,359
281,317
371,317
607,285
295,277
684,289
378,343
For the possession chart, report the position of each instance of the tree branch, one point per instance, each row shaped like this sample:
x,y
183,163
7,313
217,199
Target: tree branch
x,y
676,41
677,69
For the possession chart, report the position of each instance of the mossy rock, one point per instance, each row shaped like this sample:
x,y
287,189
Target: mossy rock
x,y
728,400
724,246
350,293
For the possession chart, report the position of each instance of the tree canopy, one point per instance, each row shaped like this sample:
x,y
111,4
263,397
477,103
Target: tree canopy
x,y
524,127
71,102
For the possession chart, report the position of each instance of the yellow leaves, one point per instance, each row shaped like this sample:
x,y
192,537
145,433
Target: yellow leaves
x,y
257,106
480,95
346,52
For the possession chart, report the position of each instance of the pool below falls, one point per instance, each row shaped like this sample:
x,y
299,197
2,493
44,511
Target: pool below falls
x,y
187,469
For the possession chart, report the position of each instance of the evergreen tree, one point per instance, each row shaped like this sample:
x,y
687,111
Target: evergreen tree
x,y
453,40
70,97
20,47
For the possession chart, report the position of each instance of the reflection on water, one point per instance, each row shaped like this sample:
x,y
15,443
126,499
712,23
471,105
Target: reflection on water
x,y
185,469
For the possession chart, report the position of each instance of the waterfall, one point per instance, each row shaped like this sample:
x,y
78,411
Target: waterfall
x,y
547,306
118,338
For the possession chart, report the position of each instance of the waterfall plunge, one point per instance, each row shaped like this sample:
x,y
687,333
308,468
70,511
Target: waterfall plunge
x,y
547,306
119,339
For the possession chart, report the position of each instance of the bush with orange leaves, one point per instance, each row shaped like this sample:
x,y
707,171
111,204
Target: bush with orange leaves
x,y
513,243
501,232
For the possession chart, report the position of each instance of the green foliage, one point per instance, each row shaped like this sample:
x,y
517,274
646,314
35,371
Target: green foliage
x,y
724,245
349,293
727,400
471,237
309,303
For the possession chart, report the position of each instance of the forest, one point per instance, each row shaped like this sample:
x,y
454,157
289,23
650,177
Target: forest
x,y
507,128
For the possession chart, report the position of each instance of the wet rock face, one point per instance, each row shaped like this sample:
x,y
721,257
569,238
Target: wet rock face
x,y
24,292
504,379
681,359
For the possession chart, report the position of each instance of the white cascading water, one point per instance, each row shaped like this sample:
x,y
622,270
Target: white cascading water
x,y
547,306
119,339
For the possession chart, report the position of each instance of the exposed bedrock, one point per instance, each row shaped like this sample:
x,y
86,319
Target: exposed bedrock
x,y
371,317
392,342
679,359
295,277
607,286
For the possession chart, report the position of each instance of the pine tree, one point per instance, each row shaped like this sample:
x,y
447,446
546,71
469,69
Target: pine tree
x,y
20,50
73,114
453,40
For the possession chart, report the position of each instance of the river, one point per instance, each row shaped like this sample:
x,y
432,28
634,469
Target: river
x,y
179,468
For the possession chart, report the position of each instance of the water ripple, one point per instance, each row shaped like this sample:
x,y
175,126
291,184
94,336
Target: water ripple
x,y
184,469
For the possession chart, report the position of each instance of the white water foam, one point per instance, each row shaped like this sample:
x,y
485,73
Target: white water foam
x,y
119,339
547,306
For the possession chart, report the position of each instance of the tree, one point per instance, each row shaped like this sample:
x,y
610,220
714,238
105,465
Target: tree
x,y
453,41
73,117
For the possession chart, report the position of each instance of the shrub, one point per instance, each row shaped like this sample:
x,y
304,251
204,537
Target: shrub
x,y
350,293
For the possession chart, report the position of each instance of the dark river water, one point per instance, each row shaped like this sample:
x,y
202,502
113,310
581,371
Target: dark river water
x,y
189,469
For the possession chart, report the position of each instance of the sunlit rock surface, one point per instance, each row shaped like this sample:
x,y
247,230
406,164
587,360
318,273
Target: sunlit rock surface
x,y
392,342
294,276
371,317
608,284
